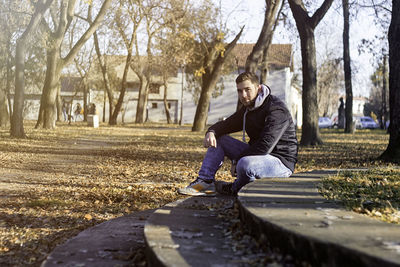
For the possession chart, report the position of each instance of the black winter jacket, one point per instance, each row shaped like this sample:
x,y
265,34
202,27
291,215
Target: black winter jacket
x,y
270,128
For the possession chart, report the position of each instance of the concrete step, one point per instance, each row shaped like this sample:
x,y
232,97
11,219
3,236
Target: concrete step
x,y
291,215
111,243
189,232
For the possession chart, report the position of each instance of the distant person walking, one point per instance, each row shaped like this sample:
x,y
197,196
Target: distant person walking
x,y
78,112
341,115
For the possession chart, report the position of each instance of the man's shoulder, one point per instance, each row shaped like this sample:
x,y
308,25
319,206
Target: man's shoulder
x,y
273,101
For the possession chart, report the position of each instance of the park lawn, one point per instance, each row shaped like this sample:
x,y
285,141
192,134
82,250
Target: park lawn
x,y
57,183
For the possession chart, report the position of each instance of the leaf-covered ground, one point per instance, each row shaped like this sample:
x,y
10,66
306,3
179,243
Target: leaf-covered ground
x,y
375,192
57,183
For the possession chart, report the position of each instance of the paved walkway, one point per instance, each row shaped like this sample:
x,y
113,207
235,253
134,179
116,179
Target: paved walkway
x,y
287,213
111,243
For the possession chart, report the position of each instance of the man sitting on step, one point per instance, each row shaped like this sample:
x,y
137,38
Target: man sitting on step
x,y
272,148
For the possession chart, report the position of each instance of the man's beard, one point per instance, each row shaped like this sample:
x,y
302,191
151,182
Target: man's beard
x,y
251,103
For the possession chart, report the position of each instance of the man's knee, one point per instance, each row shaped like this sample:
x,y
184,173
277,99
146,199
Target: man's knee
x,y
245,166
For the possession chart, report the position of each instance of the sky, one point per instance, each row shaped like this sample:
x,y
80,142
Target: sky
x,y
328,35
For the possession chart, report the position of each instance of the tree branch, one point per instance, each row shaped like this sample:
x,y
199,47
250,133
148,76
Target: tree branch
x,y
88,32
320,13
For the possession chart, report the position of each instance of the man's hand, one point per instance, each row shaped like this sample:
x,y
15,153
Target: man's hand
x,y
210,140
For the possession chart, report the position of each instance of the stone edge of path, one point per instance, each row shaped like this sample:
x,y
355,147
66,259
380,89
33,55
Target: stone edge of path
x,y
293,216
110,243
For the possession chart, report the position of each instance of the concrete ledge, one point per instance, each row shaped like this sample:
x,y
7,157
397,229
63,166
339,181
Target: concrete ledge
x,y
110,243
188,233
291,215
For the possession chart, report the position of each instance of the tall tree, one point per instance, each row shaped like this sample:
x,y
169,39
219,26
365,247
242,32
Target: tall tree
x,y
306,26
127,21
106,80
175,46
260,50
4,117
392,152
349,128
212,68
17,125
56,30
153,24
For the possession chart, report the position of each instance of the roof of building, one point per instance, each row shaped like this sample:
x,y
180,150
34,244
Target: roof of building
x,y
279,55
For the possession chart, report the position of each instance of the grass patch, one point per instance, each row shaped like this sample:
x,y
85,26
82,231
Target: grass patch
x,y
375,192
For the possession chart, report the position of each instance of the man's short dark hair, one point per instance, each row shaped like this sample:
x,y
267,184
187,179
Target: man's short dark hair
x,y
244,76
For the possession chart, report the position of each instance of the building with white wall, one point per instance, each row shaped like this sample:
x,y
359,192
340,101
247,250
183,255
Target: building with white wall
x,y
280,70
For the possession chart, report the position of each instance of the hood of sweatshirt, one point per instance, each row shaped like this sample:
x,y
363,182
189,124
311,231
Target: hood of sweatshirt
x,y
262,95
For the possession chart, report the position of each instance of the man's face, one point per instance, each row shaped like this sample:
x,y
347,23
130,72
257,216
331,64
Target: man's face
x,y
247,92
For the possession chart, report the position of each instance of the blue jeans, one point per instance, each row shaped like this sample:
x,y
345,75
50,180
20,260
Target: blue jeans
x,y
248,168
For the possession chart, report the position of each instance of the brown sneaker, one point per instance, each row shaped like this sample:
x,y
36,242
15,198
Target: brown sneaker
x,y
198,188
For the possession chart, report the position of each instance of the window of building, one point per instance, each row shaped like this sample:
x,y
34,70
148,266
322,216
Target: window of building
x,y
154,105
154,88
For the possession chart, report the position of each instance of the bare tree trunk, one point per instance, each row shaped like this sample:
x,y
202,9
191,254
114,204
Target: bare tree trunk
x,y
4,117
104,106
209,81
167,112
181,109
107,84
306,25
47,115
142,101
59,105
349,128
85,99
8,75
17,124
264,68
272,12
141,109
200,118
310,129
384,90
392,152
113,119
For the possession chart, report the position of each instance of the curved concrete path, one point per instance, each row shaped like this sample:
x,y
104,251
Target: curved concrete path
x,y
287,213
